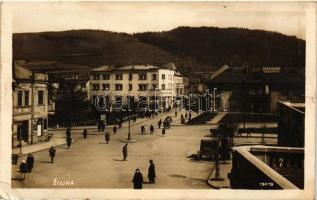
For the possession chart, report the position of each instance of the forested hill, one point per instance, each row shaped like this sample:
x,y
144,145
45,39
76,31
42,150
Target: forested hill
x,y
87,47
218,46
200,49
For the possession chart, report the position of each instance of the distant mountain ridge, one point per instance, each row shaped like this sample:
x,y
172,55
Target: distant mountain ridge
x,y
87,47
234,46
201,48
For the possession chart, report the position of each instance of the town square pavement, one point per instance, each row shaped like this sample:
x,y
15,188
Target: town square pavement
x,y
90,163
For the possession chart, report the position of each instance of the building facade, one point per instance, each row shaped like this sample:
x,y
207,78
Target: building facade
x,y
141,82
291,124
30,106
259,89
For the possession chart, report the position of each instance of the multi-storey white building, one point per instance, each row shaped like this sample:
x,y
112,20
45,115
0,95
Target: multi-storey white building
x,y
138,80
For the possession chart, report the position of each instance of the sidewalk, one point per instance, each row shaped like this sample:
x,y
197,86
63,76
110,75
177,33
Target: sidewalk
x,y
58,137
57,140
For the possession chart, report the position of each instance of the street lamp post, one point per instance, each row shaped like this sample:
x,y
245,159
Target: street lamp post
x,y
129,139
129,129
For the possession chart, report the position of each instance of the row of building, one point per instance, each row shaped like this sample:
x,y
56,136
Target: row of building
x,y
34,83
33,100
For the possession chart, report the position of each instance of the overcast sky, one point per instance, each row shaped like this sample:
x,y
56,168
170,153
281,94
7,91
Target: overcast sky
x,y
131,17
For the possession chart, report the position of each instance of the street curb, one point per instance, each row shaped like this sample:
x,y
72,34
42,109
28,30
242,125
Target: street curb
x,y
21,155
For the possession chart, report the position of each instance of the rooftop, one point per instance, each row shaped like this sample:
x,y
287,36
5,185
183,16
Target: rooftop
x,y
240,75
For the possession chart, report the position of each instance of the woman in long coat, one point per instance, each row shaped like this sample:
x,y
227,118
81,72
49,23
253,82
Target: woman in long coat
x,y
23,168
137,179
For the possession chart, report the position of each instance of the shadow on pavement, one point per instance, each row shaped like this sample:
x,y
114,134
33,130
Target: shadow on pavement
x,y
45,161
118,159
177,176
17,179
193,157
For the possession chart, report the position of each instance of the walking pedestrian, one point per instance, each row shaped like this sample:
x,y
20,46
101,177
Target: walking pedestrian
x,y
52,152
85,133
107,137
23,169
68,132
114,129
175,113
151,172
69,142
137,179
159,123
151,129
30,162
125,151
103,126
163,131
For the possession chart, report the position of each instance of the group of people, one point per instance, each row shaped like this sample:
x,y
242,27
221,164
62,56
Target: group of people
x,y
26,166
144,129
138,177
186,117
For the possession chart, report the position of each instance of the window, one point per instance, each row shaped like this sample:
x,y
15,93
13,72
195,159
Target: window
x,y
95,77
130,76
163,86
130,87
105,86
40,97
142,87
163,76
118,76
118,98
118,86
95,87
19,98
27,98
153,76
142,76
105,76
154,86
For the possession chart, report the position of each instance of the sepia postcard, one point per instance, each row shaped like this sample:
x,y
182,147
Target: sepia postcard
x,y
158,100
